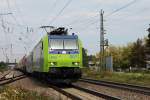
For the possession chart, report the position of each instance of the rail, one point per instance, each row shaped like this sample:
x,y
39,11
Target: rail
x,y
129,87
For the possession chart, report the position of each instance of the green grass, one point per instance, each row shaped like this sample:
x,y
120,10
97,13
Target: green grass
x,y
11,93
130,78
3,68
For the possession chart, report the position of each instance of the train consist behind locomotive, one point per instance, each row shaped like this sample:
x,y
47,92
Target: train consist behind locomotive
x,y
57,56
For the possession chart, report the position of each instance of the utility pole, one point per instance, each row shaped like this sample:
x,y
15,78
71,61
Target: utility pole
x,y
102,43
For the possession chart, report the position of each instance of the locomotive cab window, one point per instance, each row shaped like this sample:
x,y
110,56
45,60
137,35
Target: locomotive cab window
x,y
56,44
70,44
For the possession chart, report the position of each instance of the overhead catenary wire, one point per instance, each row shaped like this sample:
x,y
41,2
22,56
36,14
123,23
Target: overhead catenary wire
x,y
5,28
5,24
15,19
51,8
4,53
19,11
93,22
110,14
12,15
60,12
19,25
28,29
79,21
123,7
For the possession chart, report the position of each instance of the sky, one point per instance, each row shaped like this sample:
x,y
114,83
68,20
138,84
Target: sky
x,y
20,30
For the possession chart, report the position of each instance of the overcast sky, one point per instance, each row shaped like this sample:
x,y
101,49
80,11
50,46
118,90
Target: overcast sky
x,y
82,16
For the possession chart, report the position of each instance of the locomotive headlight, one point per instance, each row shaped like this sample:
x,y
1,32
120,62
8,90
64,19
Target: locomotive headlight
x,y
75,63
52,63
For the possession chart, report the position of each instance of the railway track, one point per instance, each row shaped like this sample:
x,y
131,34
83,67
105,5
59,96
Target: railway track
x,y
62,91
10,77
129,87
95,93
3,76
75,92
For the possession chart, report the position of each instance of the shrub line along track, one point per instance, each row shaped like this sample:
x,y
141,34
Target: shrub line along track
x,y
129,87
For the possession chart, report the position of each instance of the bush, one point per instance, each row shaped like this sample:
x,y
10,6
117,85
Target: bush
x,y
10,93
2,66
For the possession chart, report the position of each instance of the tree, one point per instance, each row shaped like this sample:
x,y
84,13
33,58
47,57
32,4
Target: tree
x,y
115,52
2,65
126,53
137,56
148,40
92,58
85,57
148,45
